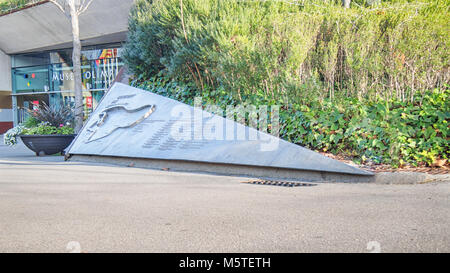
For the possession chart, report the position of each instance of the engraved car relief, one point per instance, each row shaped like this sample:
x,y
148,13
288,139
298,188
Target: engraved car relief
x,y
105,124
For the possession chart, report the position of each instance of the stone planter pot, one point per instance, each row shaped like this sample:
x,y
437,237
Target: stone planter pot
x,y
48,144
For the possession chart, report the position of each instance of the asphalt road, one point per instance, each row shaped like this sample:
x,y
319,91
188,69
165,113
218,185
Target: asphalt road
x,y
47,205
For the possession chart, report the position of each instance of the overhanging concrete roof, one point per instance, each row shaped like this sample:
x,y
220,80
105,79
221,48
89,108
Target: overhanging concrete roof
x,y
44,26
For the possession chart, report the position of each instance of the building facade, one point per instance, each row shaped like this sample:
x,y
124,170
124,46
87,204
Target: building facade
x,y
47,77
38,69
6,112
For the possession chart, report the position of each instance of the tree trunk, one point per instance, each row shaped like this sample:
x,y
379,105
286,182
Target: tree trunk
x,y
346,3
76,59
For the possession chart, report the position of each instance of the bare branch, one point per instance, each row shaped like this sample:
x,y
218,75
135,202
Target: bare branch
x,y
83,7
55,2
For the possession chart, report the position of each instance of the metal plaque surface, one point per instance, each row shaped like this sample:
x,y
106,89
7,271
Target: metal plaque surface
x,y
131,122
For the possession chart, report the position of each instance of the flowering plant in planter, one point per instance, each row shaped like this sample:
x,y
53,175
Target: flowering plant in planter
x,y
44,128
47,130
10,137
44,120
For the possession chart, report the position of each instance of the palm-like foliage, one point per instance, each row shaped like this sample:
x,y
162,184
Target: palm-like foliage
x,y
55,115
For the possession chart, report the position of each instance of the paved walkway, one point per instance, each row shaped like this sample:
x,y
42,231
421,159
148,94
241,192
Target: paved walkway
x,y
47,204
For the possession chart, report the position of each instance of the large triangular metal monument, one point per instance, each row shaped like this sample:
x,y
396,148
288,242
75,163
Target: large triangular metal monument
x,y
131,123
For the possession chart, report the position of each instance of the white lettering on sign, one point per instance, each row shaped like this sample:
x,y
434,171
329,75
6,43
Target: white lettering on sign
x,y
68,76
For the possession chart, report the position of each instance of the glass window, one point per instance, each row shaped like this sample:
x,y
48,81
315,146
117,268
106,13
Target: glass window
x,y
61,57
47,77
31,79
53,71
30,59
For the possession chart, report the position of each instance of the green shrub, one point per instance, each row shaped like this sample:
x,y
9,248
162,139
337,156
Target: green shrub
x,y
387,131
293,52
31,122
369,82
391,131
47,129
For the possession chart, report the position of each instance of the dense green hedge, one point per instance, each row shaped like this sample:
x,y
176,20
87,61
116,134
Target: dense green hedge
x,y
294,52
390,132
370,82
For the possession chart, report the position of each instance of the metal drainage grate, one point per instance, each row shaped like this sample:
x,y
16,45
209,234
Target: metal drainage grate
x,y
279,183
